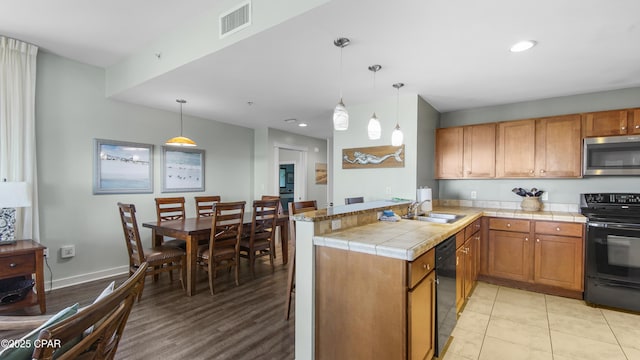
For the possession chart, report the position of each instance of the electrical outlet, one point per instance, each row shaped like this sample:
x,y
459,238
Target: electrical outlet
x,y
545,196
67,251
474,194
46,252
336,224
388,190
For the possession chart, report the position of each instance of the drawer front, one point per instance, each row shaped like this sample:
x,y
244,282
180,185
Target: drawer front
x,y
471,229
460,238
17,265
509,224
558,228
420,267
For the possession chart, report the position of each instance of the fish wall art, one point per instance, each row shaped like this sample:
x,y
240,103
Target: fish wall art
x,y
373,157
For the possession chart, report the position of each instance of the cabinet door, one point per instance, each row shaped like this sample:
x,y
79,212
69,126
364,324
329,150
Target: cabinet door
x,y
479,151
634,121
449,153
509,255
469,266
558,147
515,151
558,261
422,305
476,246
460,271
604,123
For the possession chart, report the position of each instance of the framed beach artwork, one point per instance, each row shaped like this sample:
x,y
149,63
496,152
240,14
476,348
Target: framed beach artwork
x,y
182,169
122,167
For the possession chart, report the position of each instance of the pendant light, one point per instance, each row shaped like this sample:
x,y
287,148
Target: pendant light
x,y
340,114
180,140
397,138
373,129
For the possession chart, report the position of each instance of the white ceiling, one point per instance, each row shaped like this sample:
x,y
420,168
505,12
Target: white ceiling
x,y
453,53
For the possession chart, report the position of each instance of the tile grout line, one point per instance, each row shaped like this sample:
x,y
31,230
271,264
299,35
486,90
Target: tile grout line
x,y
484,336
614,334
546,308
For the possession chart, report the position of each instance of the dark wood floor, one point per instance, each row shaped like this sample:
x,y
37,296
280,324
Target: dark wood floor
x,y
244,322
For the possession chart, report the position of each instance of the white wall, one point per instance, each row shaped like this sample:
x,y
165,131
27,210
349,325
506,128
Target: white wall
x,y
71,110
376,184
559,190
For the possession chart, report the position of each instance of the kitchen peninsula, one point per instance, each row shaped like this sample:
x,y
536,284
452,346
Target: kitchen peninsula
x,y
349,242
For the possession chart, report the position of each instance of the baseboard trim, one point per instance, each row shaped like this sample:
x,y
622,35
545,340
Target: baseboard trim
x,y
80,279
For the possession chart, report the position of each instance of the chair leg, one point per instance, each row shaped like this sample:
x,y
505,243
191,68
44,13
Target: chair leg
x,y
211,275
272,255
141,289
183,273
290,283
237,266
252,263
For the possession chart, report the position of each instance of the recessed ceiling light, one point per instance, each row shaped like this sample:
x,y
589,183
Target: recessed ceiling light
x,y
523,45
302,124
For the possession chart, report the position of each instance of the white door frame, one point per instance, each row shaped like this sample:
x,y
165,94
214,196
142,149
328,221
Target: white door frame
x,y
300,170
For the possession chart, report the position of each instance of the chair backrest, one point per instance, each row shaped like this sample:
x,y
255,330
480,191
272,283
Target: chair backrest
x,y
108,317
204,205
226,225
265,215
297,207
353,200
131,235
170,208
274,197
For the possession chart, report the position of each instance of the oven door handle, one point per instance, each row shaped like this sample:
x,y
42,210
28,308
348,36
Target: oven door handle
x,y
632,227
619,284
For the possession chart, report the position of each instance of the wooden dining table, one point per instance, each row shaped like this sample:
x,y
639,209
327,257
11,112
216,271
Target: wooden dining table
x,y
197,230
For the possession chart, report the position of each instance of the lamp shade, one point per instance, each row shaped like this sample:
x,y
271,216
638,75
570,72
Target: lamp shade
x,y
374,129
397,137
180,141
340,117
14,194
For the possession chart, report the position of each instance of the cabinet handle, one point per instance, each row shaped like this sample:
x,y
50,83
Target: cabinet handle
x,y
12,265
542,171
457,262
558,228
637,126
508,224
537,240
477,237
426,266
526,239
531,172
477,226
623,128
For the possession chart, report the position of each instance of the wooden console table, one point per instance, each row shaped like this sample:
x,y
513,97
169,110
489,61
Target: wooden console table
x,y
24,258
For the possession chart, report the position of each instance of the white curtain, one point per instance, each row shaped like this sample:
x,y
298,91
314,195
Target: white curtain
x,y
17,126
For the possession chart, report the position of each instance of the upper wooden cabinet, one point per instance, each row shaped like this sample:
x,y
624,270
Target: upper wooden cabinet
x,y
546,147
610,123
466,152
558,147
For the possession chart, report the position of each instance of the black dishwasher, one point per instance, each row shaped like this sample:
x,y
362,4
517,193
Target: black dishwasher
x,y
445,292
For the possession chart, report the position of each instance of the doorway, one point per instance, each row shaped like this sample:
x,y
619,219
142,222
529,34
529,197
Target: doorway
x,y
291,173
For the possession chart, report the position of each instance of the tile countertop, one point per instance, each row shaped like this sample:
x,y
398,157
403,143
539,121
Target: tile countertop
x,y
408,239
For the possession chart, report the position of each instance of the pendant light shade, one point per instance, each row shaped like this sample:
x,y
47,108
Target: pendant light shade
x,y
180,140
340,113
397,137
340,117
374,131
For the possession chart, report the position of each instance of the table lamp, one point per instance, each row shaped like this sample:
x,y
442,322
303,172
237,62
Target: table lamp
x,y
12,195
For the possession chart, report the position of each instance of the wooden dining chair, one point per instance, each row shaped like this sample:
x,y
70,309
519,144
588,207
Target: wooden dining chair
x,y
258,240
295,207
204,205
222,252
171,208
353,200
280,214
160,259
107,317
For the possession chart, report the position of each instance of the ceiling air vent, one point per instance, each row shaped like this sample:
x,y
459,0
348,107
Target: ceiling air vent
x,y
235,19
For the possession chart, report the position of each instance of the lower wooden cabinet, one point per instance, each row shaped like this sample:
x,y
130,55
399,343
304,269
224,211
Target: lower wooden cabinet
x,y
467,261
374,307
421,314
548,255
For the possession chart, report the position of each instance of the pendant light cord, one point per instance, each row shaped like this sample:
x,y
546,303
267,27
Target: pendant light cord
x,y
397,106
181,119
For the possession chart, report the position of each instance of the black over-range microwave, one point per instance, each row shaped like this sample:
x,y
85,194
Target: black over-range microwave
x,y
611,155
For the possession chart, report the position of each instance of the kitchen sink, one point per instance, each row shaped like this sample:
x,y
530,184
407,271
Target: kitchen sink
x,y
441,218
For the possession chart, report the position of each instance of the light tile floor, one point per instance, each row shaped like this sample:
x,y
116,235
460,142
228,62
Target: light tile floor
x,y
504,323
